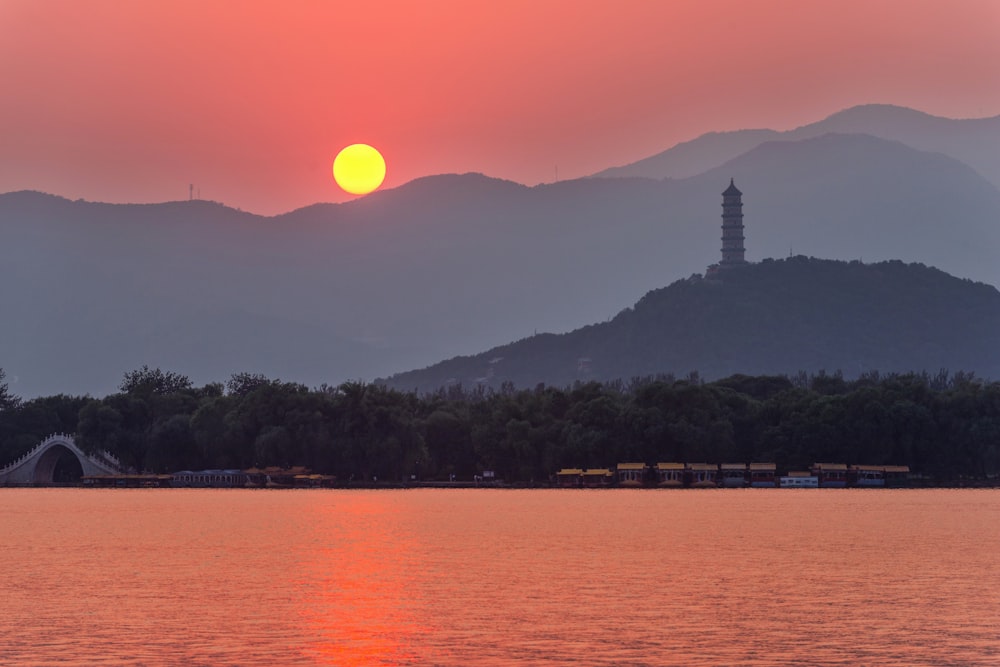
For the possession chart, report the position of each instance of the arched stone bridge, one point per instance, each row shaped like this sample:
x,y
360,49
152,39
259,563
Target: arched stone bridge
x,y
55,455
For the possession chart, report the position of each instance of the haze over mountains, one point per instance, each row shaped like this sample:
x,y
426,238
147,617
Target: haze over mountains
x,y
456,264
974,141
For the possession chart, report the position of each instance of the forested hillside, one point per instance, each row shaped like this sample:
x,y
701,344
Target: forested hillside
x,y
775,317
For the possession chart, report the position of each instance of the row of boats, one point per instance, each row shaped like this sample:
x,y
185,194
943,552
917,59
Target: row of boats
x,y
733,475
271,478
663,475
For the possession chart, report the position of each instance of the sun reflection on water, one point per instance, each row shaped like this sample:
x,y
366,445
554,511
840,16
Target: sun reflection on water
x,y
356,586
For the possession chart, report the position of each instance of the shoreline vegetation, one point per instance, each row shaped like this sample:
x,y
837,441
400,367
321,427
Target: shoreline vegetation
x,y
944,427
537,486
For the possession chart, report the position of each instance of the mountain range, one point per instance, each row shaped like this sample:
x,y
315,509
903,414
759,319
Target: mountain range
x,y
452,264
974,141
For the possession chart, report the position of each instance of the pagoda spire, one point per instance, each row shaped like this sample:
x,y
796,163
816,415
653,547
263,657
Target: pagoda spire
x,y
732,226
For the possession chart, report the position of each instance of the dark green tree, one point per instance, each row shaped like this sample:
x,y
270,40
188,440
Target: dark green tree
x,y
8,401
146,381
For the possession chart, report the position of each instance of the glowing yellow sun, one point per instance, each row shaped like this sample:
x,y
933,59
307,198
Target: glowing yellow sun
x,y
359,169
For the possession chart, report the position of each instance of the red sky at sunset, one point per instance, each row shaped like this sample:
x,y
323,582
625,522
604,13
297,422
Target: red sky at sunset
x,y
250,101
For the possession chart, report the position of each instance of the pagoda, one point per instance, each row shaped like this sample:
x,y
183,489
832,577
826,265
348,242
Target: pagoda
x,y
732,227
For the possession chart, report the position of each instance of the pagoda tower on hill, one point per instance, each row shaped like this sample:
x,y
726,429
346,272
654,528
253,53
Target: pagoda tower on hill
x,y
732,227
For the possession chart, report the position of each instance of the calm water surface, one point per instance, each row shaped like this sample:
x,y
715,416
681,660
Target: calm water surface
x,y
490,577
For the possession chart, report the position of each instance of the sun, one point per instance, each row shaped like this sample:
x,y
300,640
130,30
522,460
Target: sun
x,y
359,169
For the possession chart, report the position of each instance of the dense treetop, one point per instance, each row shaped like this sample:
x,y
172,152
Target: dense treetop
x,y
945,426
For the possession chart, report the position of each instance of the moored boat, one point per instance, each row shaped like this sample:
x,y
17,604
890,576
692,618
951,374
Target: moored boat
x,y
896,476
732,475
569,477
701,475
670,475
763,475
799,479
631,474
867,476
831,475
597,477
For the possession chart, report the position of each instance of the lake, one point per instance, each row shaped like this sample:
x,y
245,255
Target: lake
x,y
500,577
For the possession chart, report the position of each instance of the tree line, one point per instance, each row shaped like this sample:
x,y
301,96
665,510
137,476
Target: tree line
x,y
945,426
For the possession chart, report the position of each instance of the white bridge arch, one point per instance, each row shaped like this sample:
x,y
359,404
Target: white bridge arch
x,y
38,465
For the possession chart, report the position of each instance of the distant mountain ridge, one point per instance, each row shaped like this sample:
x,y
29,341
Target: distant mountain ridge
x,y
444,265
974,141
775,317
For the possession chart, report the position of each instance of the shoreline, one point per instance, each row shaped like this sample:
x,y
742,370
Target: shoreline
x,y
375,486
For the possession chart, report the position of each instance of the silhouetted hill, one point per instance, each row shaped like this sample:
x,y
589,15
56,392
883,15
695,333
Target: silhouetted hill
x,y
775,317
974,141
89,291
445,265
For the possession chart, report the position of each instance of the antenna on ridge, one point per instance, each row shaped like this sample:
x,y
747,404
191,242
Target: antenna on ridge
x,y
190,191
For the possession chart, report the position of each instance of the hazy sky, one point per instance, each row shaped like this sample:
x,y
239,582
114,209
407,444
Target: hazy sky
x,y
250,101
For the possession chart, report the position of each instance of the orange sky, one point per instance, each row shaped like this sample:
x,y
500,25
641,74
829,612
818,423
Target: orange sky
x,y
250,101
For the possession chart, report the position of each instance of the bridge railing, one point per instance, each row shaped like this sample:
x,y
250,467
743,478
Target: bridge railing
x,y
21,459
104,457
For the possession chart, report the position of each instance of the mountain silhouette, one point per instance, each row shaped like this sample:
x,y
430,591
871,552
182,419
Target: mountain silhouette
x,y
444,265
974,141
774,317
